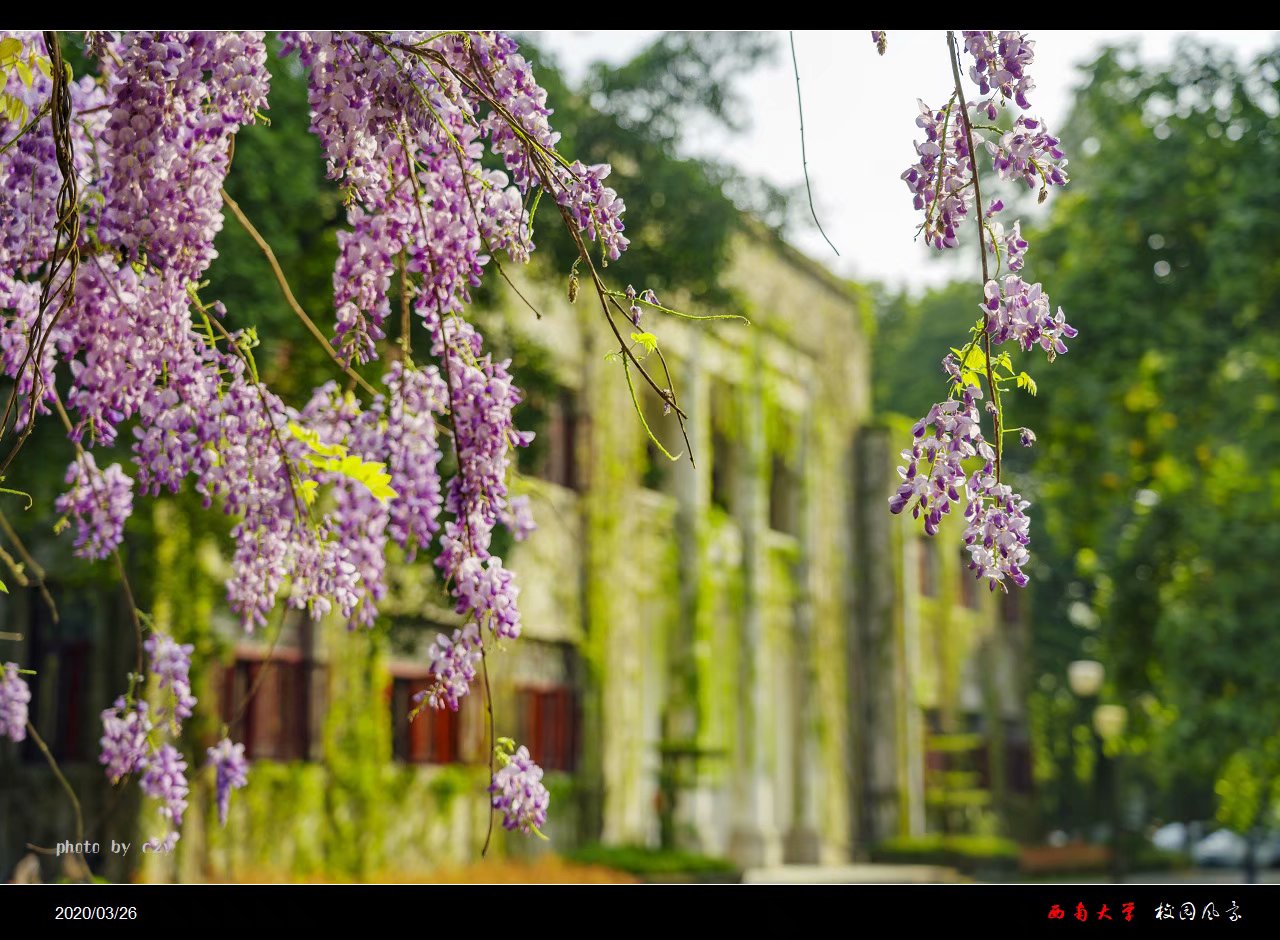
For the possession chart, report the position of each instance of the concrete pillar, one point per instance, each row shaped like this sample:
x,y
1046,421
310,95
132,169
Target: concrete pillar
x,y
803,845
753,839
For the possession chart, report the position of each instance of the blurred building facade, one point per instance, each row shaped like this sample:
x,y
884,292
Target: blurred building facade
x,y
749,658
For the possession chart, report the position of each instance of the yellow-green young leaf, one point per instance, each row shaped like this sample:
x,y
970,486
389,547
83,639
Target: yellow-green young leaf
x,y
3,588
24,72
44,65
1025,381
14,108
9,48
309,488
369,473
312,440
647,340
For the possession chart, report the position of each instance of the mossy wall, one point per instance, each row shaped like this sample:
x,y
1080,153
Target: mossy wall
x,y
699,628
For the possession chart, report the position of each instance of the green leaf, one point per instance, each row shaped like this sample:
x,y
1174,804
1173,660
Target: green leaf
x,y
309,488
24,72
3,588
9,48
647,340
334,458
1025,381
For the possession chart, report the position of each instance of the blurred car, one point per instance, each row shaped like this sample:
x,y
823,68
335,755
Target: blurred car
x,y
1171,837
1228,849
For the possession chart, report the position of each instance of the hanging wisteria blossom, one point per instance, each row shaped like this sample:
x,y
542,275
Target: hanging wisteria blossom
x,y
946,185
109,209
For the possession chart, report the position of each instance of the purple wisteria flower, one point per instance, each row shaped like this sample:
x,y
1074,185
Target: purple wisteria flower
x,y
1029,153
453,667
519,794
998,530
99,502
941,179
165,779
518,518
124,739
1010,244
411,123
1020,311
14,698
231,772
1000,61
171,663
944,438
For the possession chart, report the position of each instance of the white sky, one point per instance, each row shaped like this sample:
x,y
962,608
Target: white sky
x,y
860,112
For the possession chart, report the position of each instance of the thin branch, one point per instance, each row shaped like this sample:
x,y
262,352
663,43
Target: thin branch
x,y
488,704
982,246
804,156
71,794
66,250
31,564
44,109
288,294
263,665
115,552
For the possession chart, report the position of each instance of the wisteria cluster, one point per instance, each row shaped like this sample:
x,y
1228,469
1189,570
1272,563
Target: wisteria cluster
x,y
942,180
1000,60
951,433
125,740
231,772
171,664
100,501
165,779
1020,311
945,186
405,119
131,727
14,699
519,793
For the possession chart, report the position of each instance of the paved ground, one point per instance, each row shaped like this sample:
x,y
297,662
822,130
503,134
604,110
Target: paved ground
x,y
851,874
930,874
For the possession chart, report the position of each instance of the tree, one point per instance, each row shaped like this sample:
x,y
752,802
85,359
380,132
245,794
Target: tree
x,y
1164,249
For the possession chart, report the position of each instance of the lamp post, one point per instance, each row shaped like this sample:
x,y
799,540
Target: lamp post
x,y
1109,722
1084,677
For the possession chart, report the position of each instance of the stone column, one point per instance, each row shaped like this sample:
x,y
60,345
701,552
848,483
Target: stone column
x,y
753,837
802,843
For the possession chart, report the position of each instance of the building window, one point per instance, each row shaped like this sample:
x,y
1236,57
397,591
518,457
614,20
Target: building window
x,y
432,736
925,550
559,463
721,472
271,699
60,653
659,471
784,497
549,725
1018,774
724,455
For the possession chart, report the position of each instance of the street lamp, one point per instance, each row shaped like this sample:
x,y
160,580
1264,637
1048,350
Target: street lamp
x,y
1085,677
1109,722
